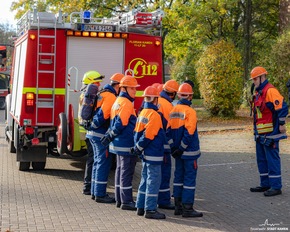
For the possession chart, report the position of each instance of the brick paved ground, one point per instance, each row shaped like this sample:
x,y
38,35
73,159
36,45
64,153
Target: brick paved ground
x,y
51,200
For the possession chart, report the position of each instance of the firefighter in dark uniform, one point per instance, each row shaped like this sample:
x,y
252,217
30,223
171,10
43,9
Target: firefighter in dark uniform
x,y
98,128
90,77
120,138
165,100
184,143
270,112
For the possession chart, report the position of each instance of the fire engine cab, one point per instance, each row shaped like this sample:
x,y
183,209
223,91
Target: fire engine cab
x,y
51,55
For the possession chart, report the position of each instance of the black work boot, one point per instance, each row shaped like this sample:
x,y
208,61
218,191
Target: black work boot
x,y
140,211
188,211
128,206
259,189
118,204
105,199
154,214
178,206
272,192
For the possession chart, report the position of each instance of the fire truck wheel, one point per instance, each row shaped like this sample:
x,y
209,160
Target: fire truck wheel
x,y
62,134
2,103
38,165
23,166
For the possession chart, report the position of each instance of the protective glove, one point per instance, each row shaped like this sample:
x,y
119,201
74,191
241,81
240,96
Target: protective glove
x,y
173,149
268,142
105,141
136,152
177,153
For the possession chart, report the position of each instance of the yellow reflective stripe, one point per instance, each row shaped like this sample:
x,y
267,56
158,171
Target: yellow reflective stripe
x,y
42,91
57,91
264,128
261,126
139,93
259,114
261,131
28,90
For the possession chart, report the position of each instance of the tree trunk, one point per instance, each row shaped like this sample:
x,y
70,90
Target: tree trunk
x,y
247,38
284,15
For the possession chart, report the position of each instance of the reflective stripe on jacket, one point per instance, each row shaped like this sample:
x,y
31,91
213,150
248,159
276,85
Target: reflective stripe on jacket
x,y
149,135
182,130
122,124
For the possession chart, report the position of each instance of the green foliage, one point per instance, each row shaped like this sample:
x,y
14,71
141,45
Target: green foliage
x,y
220,78
185,71
6,33
197,24
197,102
99,8
277,63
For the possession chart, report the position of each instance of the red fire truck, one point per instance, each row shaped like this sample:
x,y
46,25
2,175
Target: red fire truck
x,y
51,55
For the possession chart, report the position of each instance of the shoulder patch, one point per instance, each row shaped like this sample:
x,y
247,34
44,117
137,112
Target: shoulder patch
x,y
116,106
142,120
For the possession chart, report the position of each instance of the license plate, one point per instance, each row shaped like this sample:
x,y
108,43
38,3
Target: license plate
x,y
94,27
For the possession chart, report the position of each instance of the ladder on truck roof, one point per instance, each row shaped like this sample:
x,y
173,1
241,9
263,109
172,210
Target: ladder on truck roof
x,y
46,65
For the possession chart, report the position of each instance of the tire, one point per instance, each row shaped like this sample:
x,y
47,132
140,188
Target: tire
x,y
38,165
62,134
23,166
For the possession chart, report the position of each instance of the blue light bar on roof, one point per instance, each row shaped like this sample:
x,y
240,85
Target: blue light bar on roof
x,y
87,16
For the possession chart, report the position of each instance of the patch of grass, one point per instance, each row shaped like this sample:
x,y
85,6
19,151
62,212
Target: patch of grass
x,y
242,118
197,102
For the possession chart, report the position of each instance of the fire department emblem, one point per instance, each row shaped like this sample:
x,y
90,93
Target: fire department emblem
x,y
142,68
